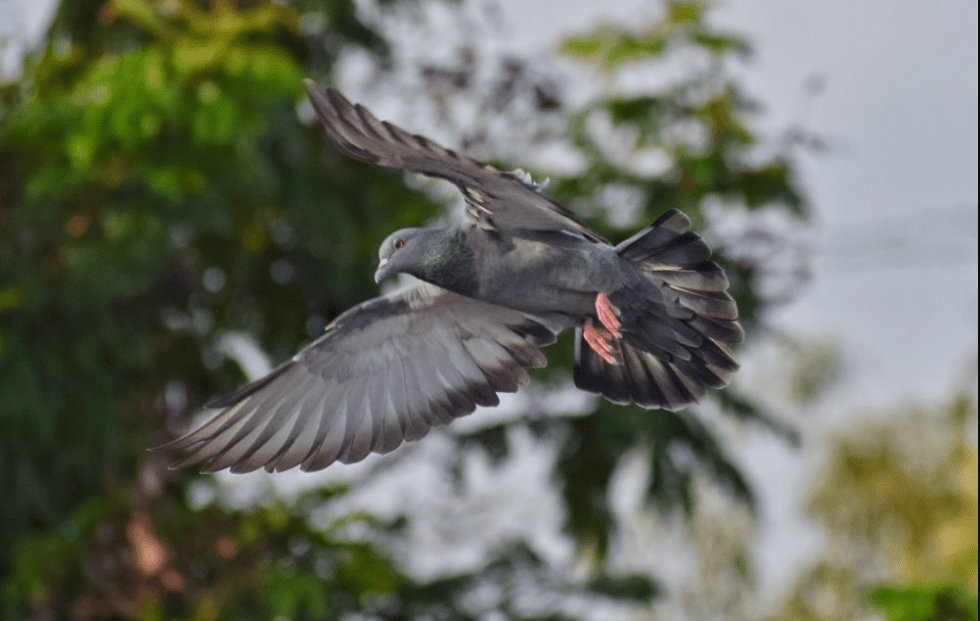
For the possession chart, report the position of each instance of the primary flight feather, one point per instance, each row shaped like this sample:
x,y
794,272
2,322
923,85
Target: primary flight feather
x,y
652,318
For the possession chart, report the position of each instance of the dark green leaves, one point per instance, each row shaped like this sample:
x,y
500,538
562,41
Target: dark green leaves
x,y
925,602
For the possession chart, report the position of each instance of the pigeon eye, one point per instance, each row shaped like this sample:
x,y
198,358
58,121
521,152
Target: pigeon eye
x,y
399,244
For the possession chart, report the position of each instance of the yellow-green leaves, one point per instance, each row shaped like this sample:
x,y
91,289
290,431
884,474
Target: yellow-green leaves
x,y
682,23
609,47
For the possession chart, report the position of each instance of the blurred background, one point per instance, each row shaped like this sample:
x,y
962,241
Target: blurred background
x,y
173,222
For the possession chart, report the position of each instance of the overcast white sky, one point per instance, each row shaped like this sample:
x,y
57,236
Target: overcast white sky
x,y
895,232
896,199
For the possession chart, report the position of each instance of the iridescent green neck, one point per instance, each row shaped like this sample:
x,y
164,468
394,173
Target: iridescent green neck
x,y
446,260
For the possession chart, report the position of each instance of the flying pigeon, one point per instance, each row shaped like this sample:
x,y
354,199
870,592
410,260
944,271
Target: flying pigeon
x,y
651,315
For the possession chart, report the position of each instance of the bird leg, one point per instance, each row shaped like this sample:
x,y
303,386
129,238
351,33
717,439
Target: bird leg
x,y
599,340
608,314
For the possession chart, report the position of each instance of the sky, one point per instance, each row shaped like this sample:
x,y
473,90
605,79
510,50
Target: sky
x,y
894,228
894,233
894,236
895,199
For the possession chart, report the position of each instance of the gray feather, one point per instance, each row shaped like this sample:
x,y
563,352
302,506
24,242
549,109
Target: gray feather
x,y
495,291
383,373
507,203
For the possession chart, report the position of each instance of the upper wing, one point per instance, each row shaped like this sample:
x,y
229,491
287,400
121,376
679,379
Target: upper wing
x,y
384,372
495,199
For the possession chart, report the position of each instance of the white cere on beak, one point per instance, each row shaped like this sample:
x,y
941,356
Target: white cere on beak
x,y
381,266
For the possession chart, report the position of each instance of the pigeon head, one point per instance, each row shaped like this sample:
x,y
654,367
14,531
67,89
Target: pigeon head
x,y
398,253
439,256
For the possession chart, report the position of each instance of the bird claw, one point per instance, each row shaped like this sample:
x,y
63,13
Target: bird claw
x,y
607,314
600,341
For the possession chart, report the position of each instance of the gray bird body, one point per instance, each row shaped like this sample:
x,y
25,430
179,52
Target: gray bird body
x,y
496,288
506,271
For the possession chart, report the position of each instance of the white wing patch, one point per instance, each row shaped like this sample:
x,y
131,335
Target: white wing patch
x,y
525,178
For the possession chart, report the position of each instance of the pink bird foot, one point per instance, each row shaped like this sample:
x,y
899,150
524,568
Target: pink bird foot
x,y
608,314
599,341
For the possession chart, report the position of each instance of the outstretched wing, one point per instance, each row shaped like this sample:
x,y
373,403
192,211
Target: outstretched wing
x,y
500,200
384,372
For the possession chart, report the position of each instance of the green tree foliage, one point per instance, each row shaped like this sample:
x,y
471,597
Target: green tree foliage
x,y
698,126
928,602
898,499
157,188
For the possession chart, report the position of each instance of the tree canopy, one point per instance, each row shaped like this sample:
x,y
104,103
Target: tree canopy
x,y
160,187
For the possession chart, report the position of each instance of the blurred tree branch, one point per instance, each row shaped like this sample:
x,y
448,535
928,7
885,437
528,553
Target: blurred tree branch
x,y
159,189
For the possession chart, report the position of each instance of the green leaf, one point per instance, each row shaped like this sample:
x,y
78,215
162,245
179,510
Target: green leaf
x,y
636,587
925,602
685,12
140,12
586,48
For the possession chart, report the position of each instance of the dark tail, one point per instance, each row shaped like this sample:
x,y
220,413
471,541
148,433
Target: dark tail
x,y
674,324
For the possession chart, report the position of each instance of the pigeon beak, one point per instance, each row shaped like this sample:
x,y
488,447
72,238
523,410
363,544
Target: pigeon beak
x,y
382,273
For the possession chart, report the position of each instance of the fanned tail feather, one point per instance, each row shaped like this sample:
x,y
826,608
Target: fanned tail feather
x,y
675,328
